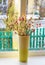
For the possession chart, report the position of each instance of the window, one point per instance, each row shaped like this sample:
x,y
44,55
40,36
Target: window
x,y
3,7
5,41
0,1
5,37
4,1
33,7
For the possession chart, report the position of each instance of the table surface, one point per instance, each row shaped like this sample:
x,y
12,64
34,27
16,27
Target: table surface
x,y
39,60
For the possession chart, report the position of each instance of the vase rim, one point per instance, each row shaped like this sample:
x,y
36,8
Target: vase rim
x,y
23,35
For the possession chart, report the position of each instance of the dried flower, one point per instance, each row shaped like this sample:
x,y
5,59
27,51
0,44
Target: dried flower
x,y
22,26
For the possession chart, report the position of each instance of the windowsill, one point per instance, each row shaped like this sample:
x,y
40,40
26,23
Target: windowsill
x,y
15,54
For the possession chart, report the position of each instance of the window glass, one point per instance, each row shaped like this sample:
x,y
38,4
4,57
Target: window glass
x,y
4,1
32,5
4,10
1,10
3,7
0,1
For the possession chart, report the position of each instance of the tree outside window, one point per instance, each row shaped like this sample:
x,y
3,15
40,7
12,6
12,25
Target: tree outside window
x,y
4,1
0,1
3,7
